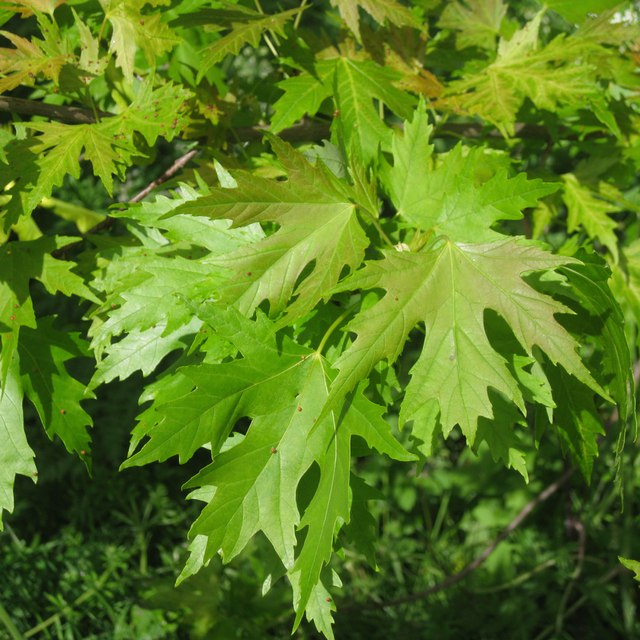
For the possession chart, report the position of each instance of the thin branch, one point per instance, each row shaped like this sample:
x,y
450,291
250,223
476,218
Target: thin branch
x,y
474,564
304,130
573,522
180,163
70,115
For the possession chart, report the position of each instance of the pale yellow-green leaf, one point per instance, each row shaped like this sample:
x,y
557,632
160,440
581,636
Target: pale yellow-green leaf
x,y
133,30
381,11
553,76
586,211
476,21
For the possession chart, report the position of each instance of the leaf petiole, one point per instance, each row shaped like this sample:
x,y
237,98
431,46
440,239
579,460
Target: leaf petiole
x,y
334,325
379,228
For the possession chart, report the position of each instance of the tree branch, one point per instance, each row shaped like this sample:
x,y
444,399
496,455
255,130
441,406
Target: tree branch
x,y
70,115
304,130
474,564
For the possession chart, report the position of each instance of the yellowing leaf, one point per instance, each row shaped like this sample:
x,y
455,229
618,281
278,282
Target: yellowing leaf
x,y
22,64
133,30
36,165
28,7
380,10
478,22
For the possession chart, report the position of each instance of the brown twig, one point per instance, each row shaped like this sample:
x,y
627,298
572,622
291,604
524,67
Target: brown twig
x,y
70,115
304,130
474,564
575,524
180,163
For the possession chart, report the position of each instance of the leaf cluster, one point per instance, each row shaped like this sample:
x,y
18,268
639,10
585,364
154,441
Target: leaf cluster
x,y
336,277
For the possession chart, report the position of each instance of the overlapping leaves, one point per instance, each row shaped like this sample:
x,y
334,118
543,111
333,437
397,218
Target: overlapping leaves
x,y
278,401
319,235
252,485
37,164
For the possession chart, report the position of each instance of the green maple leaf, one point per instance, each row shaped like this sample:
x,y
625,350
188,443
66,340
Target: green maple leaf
x,y
591,213
23,261
449,287
184,418
589,286
145,289
380,10
16,457
142,350
188,230
20,263
55,394
319,610
446,198
576,419
329,507
59,150
142,292
303,95
281,446
319,232
252,485
357,84
478,22
144,301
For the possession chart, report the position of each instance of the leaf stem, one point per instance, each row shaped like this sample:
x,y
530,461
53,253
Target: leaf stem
x,y
102,26
334,325
296,22
92,104
379,228
266,37
5,618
